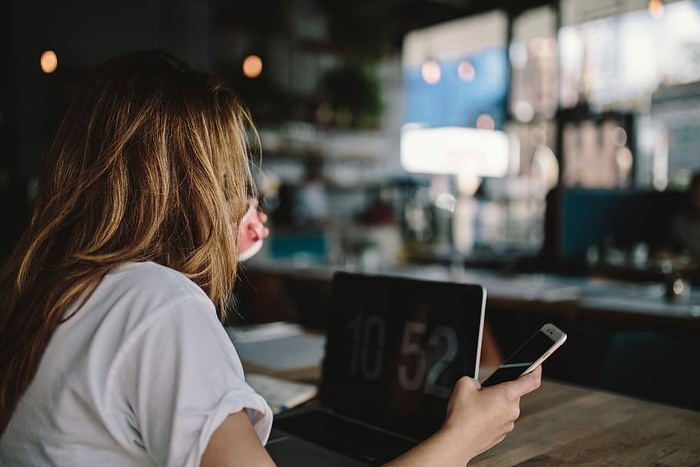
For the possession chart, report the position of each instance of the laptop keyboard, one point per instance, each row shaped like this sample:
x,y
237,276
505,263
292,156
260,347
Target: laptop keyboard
x,y
345,436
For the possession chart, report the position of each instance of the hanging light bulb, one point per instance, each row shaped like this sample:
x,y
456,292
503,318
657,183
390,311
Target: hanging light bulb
x,y
485,122
252,66
656,8
430,71
466,71
48,61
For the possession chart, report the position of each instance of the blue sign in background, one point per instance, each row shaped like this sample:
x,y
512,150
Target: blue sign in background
x,y
453,101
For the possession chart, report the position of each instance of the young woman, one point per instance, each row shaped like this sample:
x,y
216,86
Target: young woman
x,y
111,347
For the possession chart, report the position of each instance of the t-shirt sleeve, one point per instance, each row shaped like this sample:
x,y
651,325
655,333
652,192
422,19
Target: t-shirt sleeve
x,y
179,379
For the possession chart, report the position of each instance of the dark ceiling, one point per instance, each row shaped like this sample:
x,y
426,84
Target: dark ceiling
x,y
414,14
367,25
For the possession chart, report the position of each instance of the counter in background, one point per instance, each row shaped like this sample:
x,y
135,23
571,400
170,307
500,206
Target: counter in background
x,y
623,337
582,298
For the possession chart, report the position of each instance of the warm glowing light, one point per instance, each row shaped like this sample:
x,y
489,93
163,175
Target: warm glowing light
x,y
620,136
446,201
523,111
48,61
430,71
656,8
485,122
678,287
466,71
466,152
252,66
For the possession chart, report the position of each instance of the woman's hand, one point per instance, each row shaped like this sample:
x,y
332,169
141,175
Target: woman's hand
x,y
477,419
481,418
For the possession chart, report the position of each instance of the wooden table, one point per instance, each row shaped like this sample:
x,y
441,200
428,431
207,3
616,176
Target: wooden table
x,y
561,424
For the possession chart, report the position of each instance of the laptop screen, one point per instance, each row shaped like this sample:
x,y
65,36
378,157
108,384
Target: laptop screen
x,y
396,346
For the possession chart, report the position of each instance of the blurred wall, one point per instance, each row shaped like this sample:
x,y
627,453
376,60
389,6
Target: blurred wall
x,y
84,33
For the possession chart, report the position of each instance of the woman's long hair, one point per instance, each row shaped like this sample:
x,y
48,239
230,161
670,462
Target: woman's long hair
x,y
149,164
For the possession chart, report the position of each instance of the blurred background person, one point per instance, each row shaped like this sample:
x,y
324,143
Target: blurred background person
x,y
685,226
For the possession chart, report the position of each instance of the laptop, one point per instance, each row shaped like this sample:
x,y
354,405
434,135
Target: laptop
x,y
395,346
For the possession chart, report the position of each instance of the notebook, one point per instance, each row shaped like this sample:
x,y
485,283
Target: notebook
x,y
395,346
281,349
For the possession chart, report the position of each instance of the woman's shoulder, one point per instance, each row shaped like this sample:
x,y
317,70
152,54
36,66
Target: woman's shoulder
x,y
151,282
152,274
135,297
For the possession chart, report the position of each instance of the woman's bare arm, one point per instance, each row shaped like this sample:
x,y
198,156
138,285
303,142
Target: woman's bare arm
x,y
235,443
477,419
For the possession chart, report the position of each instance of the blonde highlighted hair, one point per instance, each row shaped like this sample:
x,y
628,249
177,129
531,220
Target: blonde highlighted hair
x,y
150,163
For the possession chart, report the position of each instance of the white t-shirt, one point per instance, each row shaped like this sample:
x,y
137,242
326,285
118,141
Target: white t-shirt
x,y
142,375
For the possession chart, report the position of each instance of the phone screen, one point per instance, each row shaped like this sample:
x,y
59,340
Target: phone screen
x,y
523,358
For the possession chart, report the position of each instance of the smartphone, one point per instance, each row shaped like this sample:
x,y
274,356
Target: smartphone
x,y
532,353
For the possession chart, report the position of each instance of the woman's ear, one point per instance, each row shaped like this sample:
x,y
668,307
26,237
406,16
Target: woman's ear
x,y
251,232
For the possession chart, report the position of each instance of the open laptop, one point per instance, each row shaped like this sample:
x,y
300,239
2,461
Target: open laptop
x,y
395,346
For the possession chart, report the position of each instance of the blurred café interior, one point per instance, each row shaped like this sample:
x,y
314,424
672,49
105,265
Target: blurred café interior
x,y
543,148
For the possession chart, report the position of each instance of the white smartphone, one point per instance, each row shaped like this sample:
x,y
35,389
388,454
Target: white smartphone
x,y
532,353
